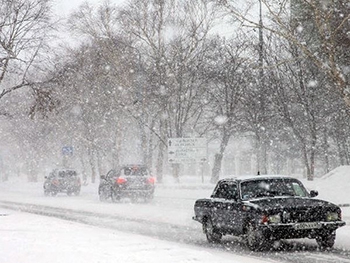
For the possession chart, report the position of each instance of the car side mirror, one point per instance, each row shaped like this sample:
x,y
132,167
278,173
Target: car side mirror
x,y
45,177
313,193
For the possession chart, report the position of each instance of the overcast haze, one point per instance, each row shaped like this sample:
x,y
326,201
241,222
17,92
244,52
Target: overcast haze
x,y
150,97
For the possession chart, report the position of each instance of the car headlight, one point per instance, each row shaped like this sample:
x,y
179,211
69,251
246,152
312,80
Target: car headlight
x,y
332,216
274,219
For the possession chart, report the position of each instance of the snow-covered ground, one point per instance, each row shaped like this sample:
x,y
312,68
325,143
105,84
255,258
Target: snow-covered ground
x,y
31,238
27,238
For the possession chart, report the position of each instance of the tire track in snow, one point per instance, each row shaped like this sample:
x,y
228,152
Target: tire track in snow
x,y
293,252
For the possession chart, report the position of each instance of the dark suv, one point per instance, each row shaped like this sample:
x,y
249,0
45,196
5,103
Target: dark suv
x,y
62,181
132,181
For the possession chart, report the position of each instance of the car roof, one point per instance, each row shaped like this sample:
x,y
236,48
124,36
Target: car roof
x,y
133,165
255,177
60,170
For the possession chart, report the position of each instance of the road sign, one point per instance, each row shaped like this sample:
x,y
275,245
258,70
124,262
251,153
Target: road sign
x,y
67,150
187,150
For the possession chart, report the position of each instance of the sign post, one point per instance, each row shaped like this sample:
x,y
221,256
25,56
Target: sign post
x,y
67,151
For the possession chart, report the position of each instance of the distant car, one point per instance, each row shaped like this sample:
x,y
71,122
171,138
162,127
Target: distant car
x,y
62,181
262,209
131,181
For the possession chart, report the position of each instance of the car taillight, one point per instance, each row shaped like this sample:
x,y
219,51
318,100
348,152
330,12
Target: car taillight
x,y
121,180
55,181
151,180
264,219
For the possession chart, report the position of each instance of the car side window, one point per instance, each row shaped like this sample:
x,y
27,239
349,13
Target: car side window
x,y
111,174
126,171
298,190
226,191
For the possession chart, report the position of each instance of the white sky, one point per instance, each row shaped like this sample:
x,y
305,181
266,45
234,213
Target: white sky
x,y
65,7
62,9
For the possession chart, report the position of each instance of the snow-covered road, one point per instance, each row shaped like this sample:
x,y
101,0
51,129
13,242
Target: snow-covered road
x,y
168,218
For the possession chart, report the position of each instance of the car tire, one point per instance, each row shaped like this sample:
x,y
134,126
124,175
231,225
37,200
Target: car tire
x,y
77,192
254,239
46,192
115,196
212,233
149,198
134,199
104,195
326,240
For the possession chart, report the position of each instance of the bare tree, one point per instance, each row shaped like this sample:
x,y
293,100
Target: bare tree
x,y
171,36
226,72
24,27
329,25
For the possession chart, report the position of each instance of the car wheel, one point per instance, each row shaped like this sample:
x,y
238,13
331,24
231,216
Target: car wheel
x,y
77,192
54,193
69,193
104,194
149,198
115,196
255,240
326,240
213,235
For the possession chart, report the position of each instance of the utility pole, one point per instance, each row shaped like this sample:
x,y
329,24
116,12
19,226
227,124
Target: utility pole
x,y
261,46
262,160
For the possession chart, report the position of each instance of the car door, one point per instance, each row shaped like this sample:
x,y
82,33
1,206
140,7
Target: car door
x,y
230,209
225,206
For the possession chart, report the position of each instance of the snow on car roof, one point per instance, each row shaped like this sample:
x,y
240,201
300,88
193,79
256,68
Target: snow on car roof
x,y
254,177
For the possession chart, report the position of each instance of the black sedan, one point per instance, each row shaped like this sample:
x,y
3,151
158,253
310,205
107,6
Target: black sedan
x,y
262,209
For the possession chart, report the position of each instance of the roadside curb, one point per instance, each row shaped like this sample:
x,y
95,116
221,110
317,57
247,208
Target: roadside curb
x,y
187,187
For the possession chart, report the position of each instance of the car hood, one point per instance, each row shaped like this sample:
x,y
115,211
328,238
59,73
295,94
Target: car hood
x,y
289,203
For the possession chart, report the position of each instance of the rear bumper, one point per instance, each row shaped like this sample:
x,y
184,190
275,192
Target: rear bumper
x,y
135,192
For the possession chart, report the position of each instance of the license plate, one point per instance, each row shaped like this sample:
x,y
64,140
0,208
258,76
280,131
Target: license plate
x,y
307,225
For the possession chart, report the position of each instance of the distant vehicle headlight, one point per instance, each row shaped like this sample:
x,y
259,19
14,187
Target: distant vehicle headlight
x,y
274,219
332,216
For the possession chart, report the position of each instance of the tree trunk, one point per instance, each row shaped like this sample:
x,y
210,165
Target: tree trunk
x,y
216,168
99,163
309,162
219,156
116,150
83,170
92,163
160,158
176,172
326,151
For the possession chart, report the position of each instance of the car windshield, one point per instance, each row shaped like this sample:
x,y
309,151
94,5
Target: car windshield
x,y
272,187
67,173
